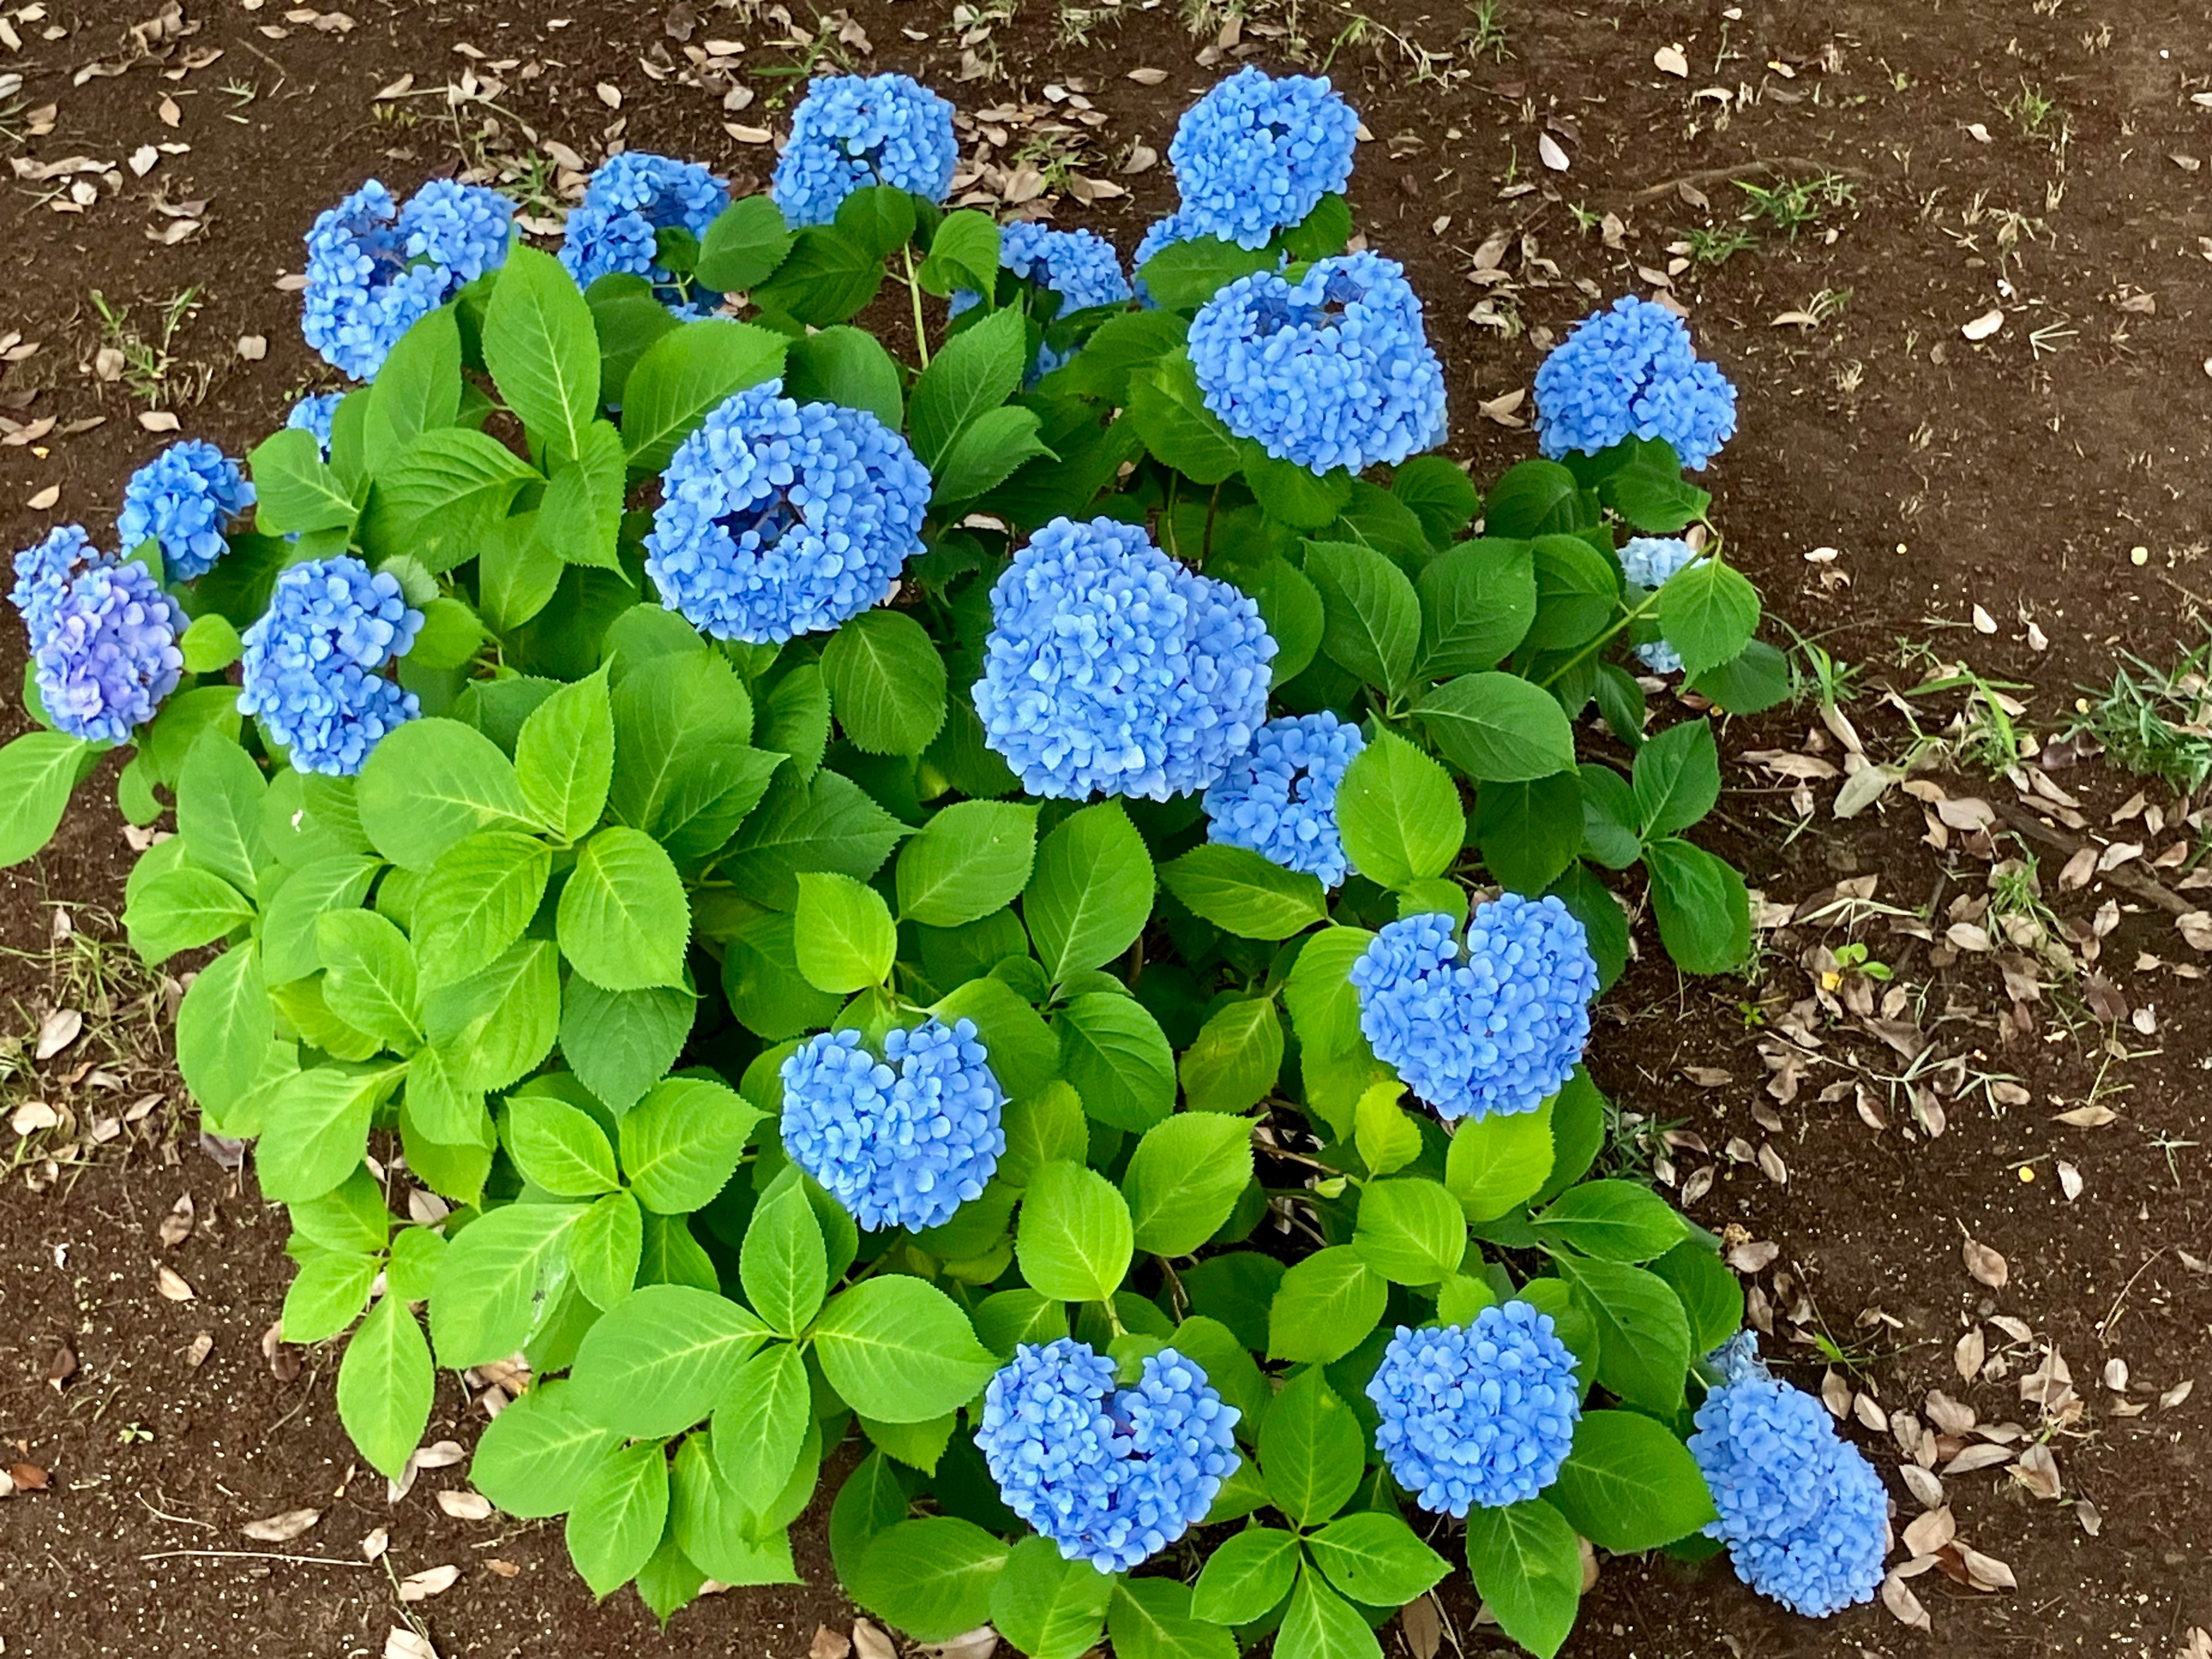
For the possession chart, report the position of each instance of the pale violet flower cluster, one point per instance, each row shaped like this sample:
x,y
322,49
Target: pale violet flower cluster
x,y
1630,372
631,198
375,267
1478,1415
1111,1476
1803,1513
1334,370
902,1141
1257,153
313,666
1080,266
1498,1031
1111,669
108,654
853,130
43,571
314,414
186,498
1279,798
779,518
1648,561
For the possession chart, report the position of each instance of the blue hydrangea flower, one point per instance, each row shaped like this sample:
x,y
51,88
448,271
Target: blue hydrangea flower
x,y
1161,233
1630,372
1257,153
1334,370
1112,1477
312,664
1804,1515
374,268
1648,561
630,199
185,498
44,570
109,654
779,518
902,1141
1112,669
1280,798
1479,1414
853,130
1079,266
314,413
1499,1031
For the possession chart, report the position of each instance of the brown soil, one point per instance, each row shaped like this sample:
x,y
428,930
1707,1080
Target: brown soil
x,y
2016,474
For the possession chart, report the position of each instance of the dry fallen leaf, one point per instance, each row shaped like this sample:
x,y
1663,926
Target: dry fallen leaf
x,y
200,1347
872,1642
158,420
1898,1598
827,1645
282,1528
177,1226
29,1477
252,347
2038,1471
401,1644
57,1031
1983,325
1549,152
1671,60
2179,1392
172,1284
1985,1264
431,1581
1969,1353
980,1643
44,498
374,1542
1419,1622
464,1505
1926,1534
1986,1572
1147,77
611,96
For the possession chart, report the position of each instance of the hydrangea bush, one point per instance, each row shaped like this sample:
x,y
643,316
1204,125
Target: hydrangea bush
x,y
1016,892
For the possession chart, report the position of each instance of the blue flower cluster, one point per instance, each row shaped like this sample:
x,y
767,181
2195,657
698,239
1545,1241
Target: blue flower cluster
x,y
44,571
1477,1415
1334,370
1162,233
1498,1032
1803,1513
1648,561
375,267
900,1142
314,413
108,654
185,498
1280,798
853,130
1080,266
1113,1478
1111,668
631,198
312,664
779,518
1630,372
1257,153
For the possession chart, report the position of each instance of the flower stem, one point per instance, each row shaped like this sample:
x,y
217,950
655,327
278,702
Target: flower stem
x,y
914,290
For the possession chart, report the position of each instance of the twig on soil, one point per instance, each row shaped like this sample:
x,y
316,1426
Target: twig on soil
x,y
2141,886
254,1555
1713,175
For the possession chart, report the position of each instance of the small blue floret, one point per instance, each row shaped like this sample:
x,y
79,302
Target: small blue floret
x,y
185,498
1648,561
853,130
43,571
1630,372
315,413
1080,266
1279,797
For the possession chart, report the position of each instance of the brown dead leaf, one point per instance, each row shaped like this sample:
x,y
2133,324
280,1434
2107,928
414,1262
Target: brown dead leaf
x,y
1987,1267
158,420
827,1645
871,1643
431,1581
177,1226
1952,1417
1897,1595
172,1284
1986,1572
2089,1117
1926,1534
29,1477
1969,1353
2038,1471
282,1528
57,1031
464,1505
60,1368
1423,1630
2179,1392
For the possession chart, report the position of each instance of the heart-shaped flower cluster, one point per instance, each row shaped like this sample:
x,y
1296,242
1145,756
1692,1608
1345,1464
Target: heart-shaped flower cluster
x,y
109,654
632,198
375,267
1630,371
1112,1477
1499,1030
902,1141
854,131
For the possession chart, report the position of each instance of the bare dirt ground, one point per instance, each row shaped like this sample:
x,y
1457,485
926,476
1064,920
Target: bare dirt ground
x,y
1953,1121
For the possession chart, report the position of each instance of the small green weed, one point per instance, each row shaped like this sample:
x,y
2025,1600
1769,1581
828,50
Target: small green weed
x,y
2155,722
1485,35
1714,244
1793,203
152,372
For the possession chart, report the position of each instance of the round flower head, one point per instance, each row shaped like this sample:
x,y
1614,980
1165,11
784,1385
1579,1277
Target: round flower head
x,y
853,130
314,414
109,652
1080,266
44,570
779,518
185,498
902,1141
1648,561
1479,1414
311,665
374,268
1280,798
1803,1513
1498,1031
1257,153
1111,1476
630,200
1334,370
1630,372
1112,669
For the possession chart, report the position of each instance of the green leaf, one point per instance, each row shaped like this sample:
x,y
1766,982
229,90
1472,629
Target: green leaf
x,y
1618,1220
1707,611
417,389
1386,1138
977,369
1577,592
1183,1180
559,1147
1498,728
371,982
1245,893
794,718
1677,778
1246,1577
1439,493
1629,1485
1046,1607
846,366
624,919
879,217
1373,618
1703,907
887,683
386,1386
1123,345
350,1218
718,1532
828,278
1075,1237
681,772
496,1283
900,1351
1325,1306
760,1422
295,489
620,1044
1169,414
843,935
1529,833
762,981
741,249
182,909
969,860
1497,1162
316,1128
1375,1559
1091,893
932,1578
784,1263
439,500
1750,682
219,810
1113,1050
829,824
1410,1230
684,375
1400,813
517,573
502,1022
621,1510
223,1028
1236,1059
1150,1619
564,758
540,346
604,1248
211,644
1527,1567
963,253
1311,1449
873,1499
480,896
1533,497
1293,494
985,453
1185,275
534,1458
1609,831
38,771
1041,1128
680,1144
1644,1335
328,1292
1478,601
661,1360
430,783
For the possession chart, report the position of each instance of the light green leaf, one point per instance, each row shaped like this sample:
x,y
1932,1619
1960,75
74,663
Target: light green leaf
x,y
565,757
681,1142
1410,1230
1048,1607
662,1360
620,1511
315,1128
1644,1335
1322,1625
1707,612
624,919
38,770
843,935
559,1147
604,1248
1400,813
1498,728
684,375
1375,1558
1528,1566
294,489
1236,1059
182,909
1311,1449
481,895
1075,1236
1618,1220
621,1042
900,1351
978,369
1091,893
1184,1178
219,810
498,1281
784,1263
1113,1050
1245,893
534,1458
1499,1161
371,983
223,1028
541,347
430,784
1246,1577
1325,1307
386,1386
1630,1484
969,860
887,683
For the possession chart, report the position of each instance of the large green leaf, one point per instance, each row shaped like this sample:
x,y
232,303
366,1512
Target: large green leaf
x,y
559,1148
1113,1050
315,1128
1049,1606
496,1279
843,935
759,1423
1169,414
1498,728
1244,893
784,1263
621,1042
439,500
1373,618
1496,1162
500,1022
1246,1577
1707,611
417,389
624,919
829,824
564,758
1311,1449
1325,1306
1618,1220
1644,1335
1400,813
1702,906
978,369
534,1458
294,489
932,1578
661,1360
182,909
1091,892
681,1142
38,771
541,347
900,1351
481,895
430,784
386,1386
223,1028
1075,1238
887,683
1322,1625
684,375
621,1508
970,858
1236,1058
1528,1566
1629,1484
1411,1229
1184,1178
1375,1559
371,982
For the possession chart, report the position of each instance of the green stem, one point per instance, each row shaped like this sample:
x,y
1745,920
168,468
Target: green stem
x,y
913,291
1651,602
